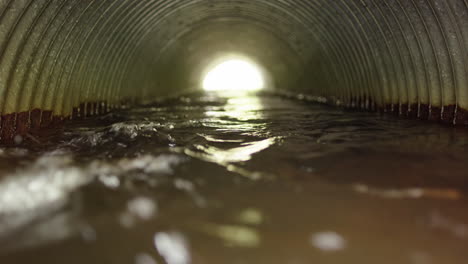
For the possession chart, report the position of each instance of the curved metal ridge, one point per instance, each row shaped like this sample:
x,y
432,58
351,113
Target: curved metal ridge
x,y
63,59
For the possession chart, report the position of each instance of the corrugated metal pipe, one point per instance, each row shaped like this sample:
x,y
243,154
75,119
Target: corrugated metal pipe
x,y
62,59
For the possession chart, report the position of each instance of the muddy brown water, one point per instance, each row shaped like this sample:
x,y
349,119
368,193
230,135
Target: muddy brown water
x,y
211,178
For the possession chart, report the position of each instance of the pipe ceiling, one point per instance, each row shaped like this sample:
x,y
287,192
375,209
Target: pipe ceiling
x,y
68,59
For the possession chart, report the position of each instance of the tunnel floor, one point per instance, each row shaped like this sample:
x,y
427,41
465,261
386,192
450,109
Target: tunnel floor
x,y
246,178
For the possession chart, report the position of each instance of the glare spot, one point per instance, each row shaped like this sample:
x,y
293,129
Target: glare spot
x,y
235,155
232,75
110,181
328,241
162,164
142,207
138,209
184,185
237,236
172,247
251,216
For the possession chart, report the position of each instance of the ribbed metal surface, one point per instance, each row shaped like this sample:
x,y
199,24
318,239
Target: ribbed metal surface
x,y
69,59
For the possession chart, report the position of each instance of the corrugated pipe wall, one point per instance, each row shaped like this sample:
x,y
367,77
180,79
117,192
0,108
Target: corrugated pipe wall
x,y
73,58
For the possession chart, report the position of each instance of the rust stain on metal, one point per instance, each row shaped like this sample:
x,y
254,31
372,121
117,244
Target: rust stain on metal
x,y
413,111
448,114
461,116
35,121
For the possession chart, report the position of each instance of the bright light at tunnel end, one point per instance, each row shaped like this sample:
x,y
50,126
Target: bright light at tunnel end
x,y
234,75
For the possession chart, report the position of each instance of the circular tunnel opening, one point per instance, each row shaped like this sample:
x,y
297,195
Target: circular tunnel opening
x,y
234,74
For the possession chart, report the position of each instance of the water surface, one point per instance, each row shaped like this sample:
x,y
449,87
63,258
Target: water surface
x,y
245,178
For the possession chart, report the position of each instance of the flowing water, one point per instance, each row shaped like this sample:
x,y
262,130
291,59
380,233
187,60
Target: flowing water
x,y
244,178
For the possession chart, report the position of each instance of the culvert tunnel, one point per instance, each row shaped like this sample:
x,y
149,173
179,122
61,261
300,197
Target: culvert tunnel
x,y
100,72
68,59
